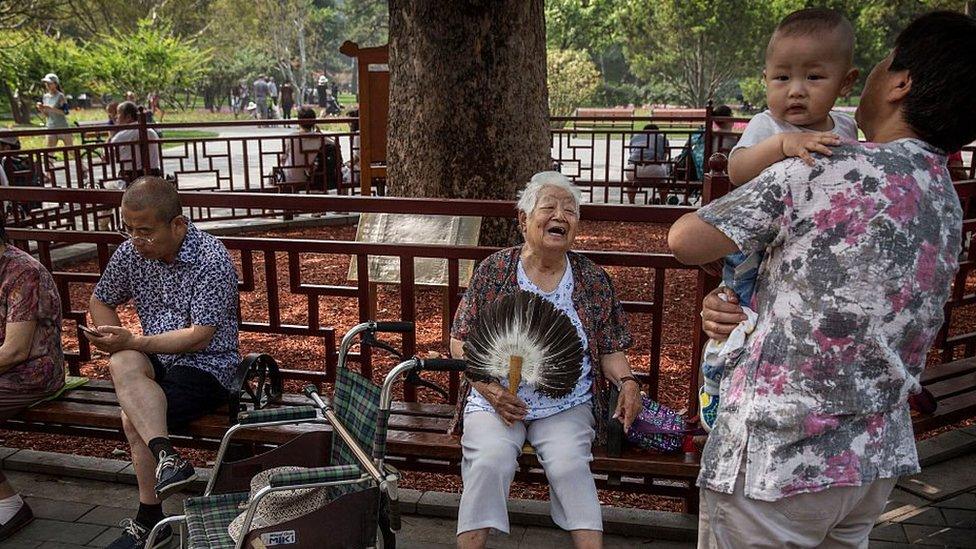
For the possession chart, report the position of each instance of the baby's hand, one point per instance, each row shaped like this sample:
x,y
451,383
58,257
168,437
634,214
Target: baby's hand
x,y
801,144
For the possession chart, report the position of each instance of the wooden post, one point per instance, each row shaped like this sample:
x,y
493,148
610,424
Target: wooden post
x,y
374,105
144,141
708,135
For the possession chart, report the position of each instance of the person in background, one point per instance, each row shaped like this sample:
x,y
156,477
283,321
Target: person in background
x,y
300,151
286,99
648,158
322,95
261,96
155,108
31,359
54,107
128,151
112,112
273,91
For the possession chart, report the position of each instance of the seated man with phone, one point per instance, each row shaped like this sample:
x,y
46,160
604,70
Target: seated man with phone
x,y
184,287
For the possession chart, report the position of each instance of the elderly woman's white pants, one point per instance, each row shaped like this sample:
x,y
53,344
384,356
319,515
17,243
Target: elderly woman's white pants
x,y
563,444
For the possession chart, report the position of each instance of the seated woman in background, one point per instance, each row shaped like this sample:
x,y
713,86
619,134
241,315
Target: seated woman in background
x,y
31,361
297,161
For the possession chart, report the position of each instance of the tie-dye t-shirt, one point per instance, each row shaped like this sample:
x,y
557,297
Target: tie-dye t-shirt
x,y
861,252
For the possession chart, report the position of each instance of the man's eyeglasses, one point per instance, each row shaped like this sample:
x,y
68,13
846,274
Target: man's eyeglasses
x,y
137,238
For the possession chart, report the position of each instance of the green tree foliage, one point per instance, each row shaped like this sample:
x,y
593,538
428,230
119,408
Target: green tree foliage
x,y
694,46
151,59
25,58
573,81
589,25
876,25
753,91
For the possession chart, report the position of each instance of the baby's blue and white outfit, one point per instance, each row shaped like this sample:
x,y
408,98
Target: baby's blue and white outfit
x,y
561,431
740,270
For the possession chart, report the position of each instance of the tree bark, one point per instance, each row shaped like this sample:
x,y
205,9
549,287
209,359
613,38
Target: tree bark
x,y
19,109
469,115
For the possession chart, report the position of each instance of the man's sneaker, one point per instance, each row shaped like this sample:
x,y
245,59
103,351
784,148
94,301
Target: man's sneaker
x,y
707,409
134,536
172,473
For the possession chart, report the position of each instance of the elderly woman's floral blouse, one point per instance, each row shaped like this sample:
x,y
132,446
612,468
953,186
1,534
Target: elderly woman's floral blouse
x,y
596,303
28,293
861,252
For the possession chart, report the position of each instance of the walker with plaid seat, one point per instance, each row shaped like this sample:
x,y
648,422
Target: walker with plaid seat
x,y
337,495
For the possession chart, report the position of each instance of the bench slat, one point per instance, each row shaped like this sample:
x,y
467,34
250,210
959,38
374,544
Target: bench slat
x,y
939,372
953,386
950,410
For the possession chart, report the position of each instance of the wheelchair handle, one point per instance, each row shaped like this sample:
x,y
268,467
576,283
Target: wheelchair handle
x,y
440,365
394,327
312,392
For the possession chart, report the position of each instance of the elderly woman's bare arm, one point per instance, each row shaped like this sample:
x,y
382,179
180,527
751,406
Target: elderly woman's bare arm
x,y
617,370
16,346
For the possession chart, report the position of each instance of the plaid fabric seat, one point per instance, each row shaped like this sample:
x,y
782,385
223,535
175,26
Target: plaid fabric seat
x,y
356,403
207,519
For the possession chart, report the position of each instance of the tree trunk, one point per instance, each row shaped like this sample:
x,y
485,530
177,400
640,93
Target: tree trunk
x,y
19,109
469,115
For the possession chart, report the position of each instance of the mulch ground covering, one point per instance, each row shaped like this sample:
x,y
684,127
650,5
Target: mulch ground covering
x,y
307,353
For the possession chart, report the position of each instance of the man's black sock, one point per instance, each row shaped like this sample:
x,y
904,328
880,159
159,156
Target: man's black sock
x,y
160,445
148,515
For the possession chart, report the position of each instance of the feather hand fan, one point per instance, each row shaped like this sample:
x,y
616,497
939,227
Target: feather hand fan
x,y
523,336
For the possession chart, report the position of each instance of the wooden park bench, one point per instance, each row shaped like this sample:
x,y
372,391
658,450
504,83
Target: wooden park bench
x,y
92,136
617,117
672,117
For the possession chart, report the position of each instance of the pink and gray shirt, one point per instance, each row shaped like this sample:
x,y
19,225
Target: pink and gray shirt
x,y
861,250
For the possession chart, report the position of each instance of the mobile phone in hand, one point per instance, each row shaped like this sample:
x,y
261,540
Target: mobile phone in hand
x,y
90,331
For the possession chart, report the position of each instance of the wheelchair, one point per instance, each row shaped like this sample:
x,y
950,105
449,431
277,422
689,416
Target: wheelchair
x,y
355,491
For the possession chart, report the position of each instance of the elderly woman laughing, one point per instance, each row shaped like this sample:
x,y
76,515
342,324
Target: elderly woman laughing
x,y
496,422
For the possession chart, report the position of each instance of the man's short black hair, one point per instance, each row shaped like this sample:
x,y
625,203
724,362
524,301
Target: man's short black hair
x,y
306,114
817,22
651,127
722,110
154,193
128,110
939,52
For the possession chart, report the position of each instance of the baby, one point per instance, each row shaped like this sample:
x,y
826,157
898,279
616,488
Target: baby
x,y
808,66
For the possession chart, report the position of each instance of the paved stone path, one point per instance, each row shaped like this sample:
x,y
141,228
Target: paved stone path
x,y
74,513
936,507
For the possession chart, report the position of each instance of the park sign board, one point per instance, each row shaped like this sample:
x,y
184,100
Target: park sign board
x,y
441,230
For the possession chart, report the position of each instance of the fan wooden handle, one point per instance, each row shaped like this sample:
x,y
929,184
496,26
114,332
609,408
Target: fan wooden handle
x,y
514,373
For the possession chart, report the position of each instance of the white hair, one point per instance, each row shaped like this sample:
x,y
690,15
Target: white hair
x,y
529,196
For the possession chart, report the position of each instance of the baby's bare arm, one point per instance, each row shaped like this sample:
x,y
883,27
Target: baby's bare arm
x,y
749,162
746,163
